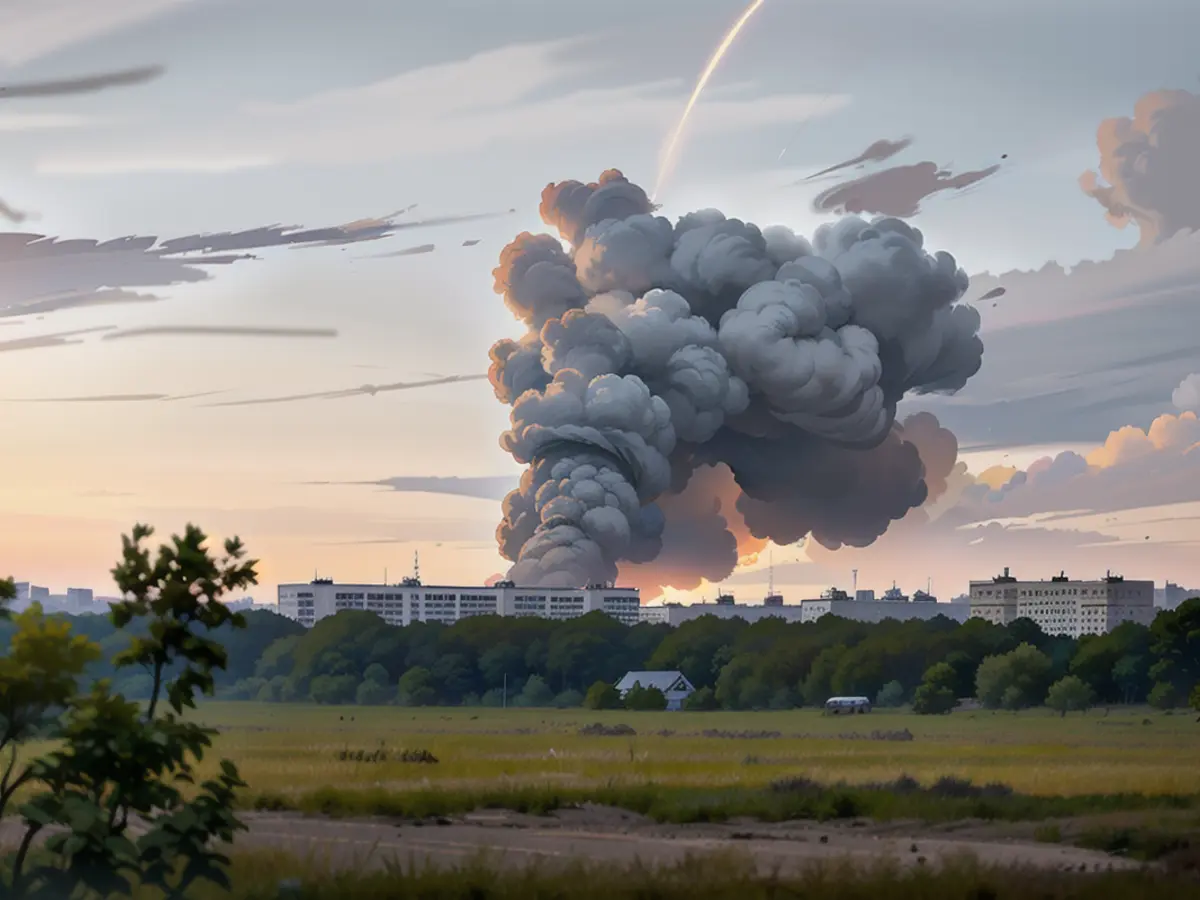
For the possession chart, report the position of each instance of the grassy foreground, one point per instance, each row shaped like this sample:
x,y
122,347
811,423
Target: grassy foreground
x,y
280,877
292,750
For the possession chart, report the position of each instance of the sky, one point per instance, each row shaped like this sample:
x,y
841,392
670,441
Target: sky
x,y
392,127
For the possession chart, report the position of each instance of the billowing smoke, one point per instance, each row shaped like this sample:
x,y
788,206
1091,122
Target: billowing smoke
x,y
662,356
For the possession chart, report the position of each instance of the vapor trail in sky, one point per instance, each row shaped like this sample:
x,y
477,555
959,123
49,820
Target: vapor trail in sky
x,y
668,158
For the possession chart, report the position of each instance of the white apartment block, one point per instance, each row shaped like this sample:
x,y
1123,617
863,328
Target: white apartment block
x,y
1064,607
410,601
836,603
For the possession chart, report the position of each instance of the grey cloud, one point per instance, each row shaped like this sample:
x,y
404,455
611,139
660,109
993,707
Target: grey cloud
x,y
994,293
84,84
407,251
471,242
114,398
40,274
876,152
656,349
483,488
12,214
364,390
896,191
220,331
59,339
1148,166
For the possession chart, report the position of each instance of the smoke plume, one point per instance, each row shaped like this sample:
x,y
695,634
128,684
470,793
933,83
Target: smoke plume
x,y
662,356
1148,166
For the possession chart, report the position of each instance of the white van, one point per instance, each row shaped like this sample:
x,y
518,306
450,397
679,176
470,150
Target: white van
x,y
835,706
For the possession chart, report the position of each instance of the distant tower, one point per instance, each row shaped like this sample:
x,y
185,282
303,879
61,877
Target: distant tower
x,y
854,572
771,573
417,566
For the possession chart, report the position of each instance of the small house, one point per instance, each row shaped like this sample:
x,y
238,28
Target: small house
x,y
674,685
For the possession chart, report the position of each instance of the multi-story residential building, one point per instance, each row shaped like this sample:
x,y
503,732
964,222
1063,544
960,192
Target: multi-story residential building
x,y
410,601
832,602
1063,606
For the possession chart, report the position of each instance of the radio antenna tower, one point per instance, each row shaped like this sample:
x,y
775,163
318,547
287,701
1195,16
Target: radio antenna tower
x,y
417,566
854,573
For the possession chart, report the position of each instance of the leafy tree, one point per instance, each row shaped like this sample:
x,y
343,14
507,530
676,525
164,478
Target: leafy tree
x,y
416,688
568,699
602,695
891,695
1131,676
536,693
504,659
1014,680
333,689
1070,694
1194,700
372,693
936,694
115,761
1163,696
818,686
645,699
701,700
1175,645
376,674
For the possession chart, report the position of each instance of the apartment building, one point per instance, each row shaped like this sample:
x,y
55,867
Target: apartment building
x,y
1062,605
410,601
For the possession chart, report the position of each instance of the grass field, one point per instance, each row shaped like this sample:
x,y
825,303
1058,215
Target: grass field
x,y
289,750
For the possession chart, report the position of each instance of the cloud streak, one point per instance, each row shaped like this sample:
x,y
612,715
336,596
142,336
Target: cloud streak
x,y
876,152
40,274
220,331
84,84
896,191
59,339
364,390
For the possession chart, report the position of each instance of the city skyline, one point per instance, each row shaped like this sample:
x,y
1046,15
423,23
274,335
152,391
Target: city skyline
x,y
158,416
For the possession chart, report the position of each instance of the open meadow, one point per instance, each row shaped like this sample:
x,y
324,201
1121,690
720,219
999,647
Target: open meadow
x,y
289,750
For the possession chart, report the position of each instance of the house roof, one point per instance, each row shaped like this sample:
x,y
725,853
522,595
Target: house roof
x,y
664,681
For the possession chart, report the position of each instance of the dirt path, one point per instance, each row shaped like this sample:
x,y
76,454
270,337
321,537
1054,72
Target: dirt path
x,y
511,839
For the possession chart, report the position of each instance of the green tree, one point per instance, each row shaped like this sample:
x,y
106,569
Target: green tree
x,y
1014,680
935,696
602,695
416,688
114,760
701,700
372,693
333,690
1163,696
1194,700
891,695
1070,694
645,699
568,699
1175,645
376,674
535,693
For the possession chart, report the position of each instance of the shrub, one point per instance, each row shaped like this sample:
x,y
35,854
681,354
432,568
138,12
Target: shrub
x,y
890,695
602,695
645,699
701,700
1070,694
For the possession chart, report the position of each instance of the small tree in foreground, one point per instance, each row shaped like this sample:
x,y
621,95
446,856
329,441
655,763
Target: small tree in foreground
x,y
1070,694
117,763
890,695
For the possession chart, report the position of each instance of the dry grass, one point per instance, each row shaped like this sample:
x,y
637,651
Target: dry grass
x,y
292,749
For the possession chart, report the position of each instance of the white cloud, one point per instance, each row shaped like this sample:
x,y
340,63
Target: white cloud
x,y
502,95
1186,397
30,29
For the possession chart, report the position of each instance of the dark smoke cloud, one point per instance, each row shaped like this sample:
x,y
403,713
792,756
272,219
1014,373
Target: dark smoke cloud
x,y
877,152
897,191
84,84
220,331
658,351
1148,166
40,274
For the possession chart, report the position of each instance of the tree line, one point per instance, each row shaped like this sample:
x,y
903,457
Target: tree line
x,y
356,657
